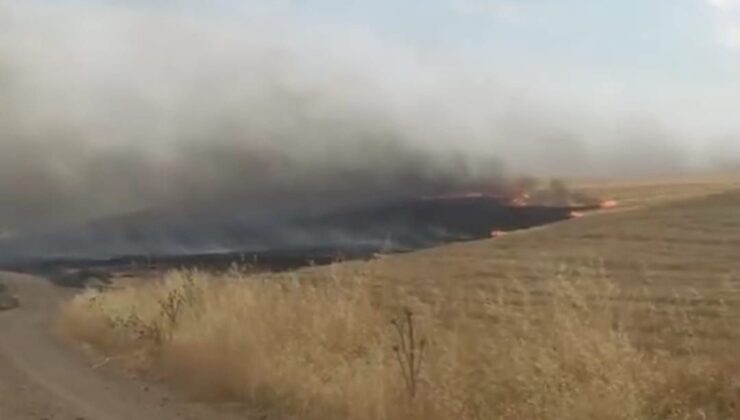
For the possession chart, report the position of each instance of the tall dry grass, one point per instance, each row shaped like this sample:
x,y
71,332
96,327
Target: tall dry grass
x,y
340,349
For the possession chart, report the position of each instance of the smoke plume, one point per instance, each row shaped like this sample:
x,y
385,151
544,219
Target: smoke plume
x,y
107,110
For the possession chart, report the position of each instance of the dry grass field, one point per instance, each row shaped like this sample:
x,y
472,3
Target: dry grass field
x,y
624,314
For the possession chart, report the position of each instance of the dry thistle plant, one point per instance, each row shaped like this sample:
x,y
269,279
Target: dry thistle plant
x,y
409,351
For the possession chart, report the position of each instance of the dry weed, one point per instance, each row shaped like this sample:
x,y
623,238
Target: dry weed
x,y
340,349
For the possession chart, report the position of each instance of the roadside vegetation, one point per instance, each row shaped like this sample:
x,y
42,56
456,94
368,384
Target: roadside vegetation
x,y
631,315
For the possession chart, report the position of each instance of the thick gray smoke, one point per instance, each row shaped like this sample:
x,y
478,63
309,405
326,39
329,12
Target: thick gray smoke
x,y
107,110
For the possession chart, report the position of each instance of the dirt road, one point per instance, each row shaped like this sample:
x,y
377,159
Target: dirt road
x,y
42,378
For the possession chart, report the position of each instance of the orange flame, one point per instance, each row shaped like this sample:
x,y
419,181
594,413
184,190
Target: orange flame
x,y
576,214
497,233
608,204
521,200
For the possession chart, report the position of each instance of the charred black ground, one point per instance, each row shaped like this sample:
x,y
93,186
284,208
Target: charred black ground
x,y
282,243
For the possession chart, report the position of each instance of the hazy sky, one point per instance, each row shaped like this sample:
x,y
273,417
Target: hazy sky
x,y
677,59
673,62
112,105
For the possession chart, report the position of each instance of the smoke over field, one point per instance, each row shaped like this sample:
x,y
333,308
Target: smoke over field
x,y
109,110
112,110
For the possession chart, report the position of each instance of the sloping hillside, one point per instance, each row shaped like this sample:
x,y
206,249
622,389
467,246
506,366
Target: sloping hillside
x,y
625,314
678,254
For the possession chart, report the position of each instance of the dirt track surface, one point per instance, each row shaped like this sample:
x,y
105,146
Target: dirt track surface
x,y
43,378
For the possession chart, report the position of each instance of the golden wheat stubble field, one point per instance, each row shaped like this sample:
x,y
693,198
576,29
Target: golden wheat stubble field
x,y
630,314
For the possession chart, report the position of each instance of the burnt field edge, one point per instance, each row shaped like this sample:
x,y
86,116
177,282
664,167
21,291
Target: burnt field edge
x,y
385,230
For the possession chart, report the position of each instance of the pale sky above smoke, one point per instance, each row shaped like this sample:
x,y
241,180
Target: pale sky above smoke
x,y
108,106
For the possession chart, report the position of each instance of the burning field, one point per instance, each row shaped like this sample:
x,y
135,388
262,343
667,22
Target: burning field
x,y
293,238
322,213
